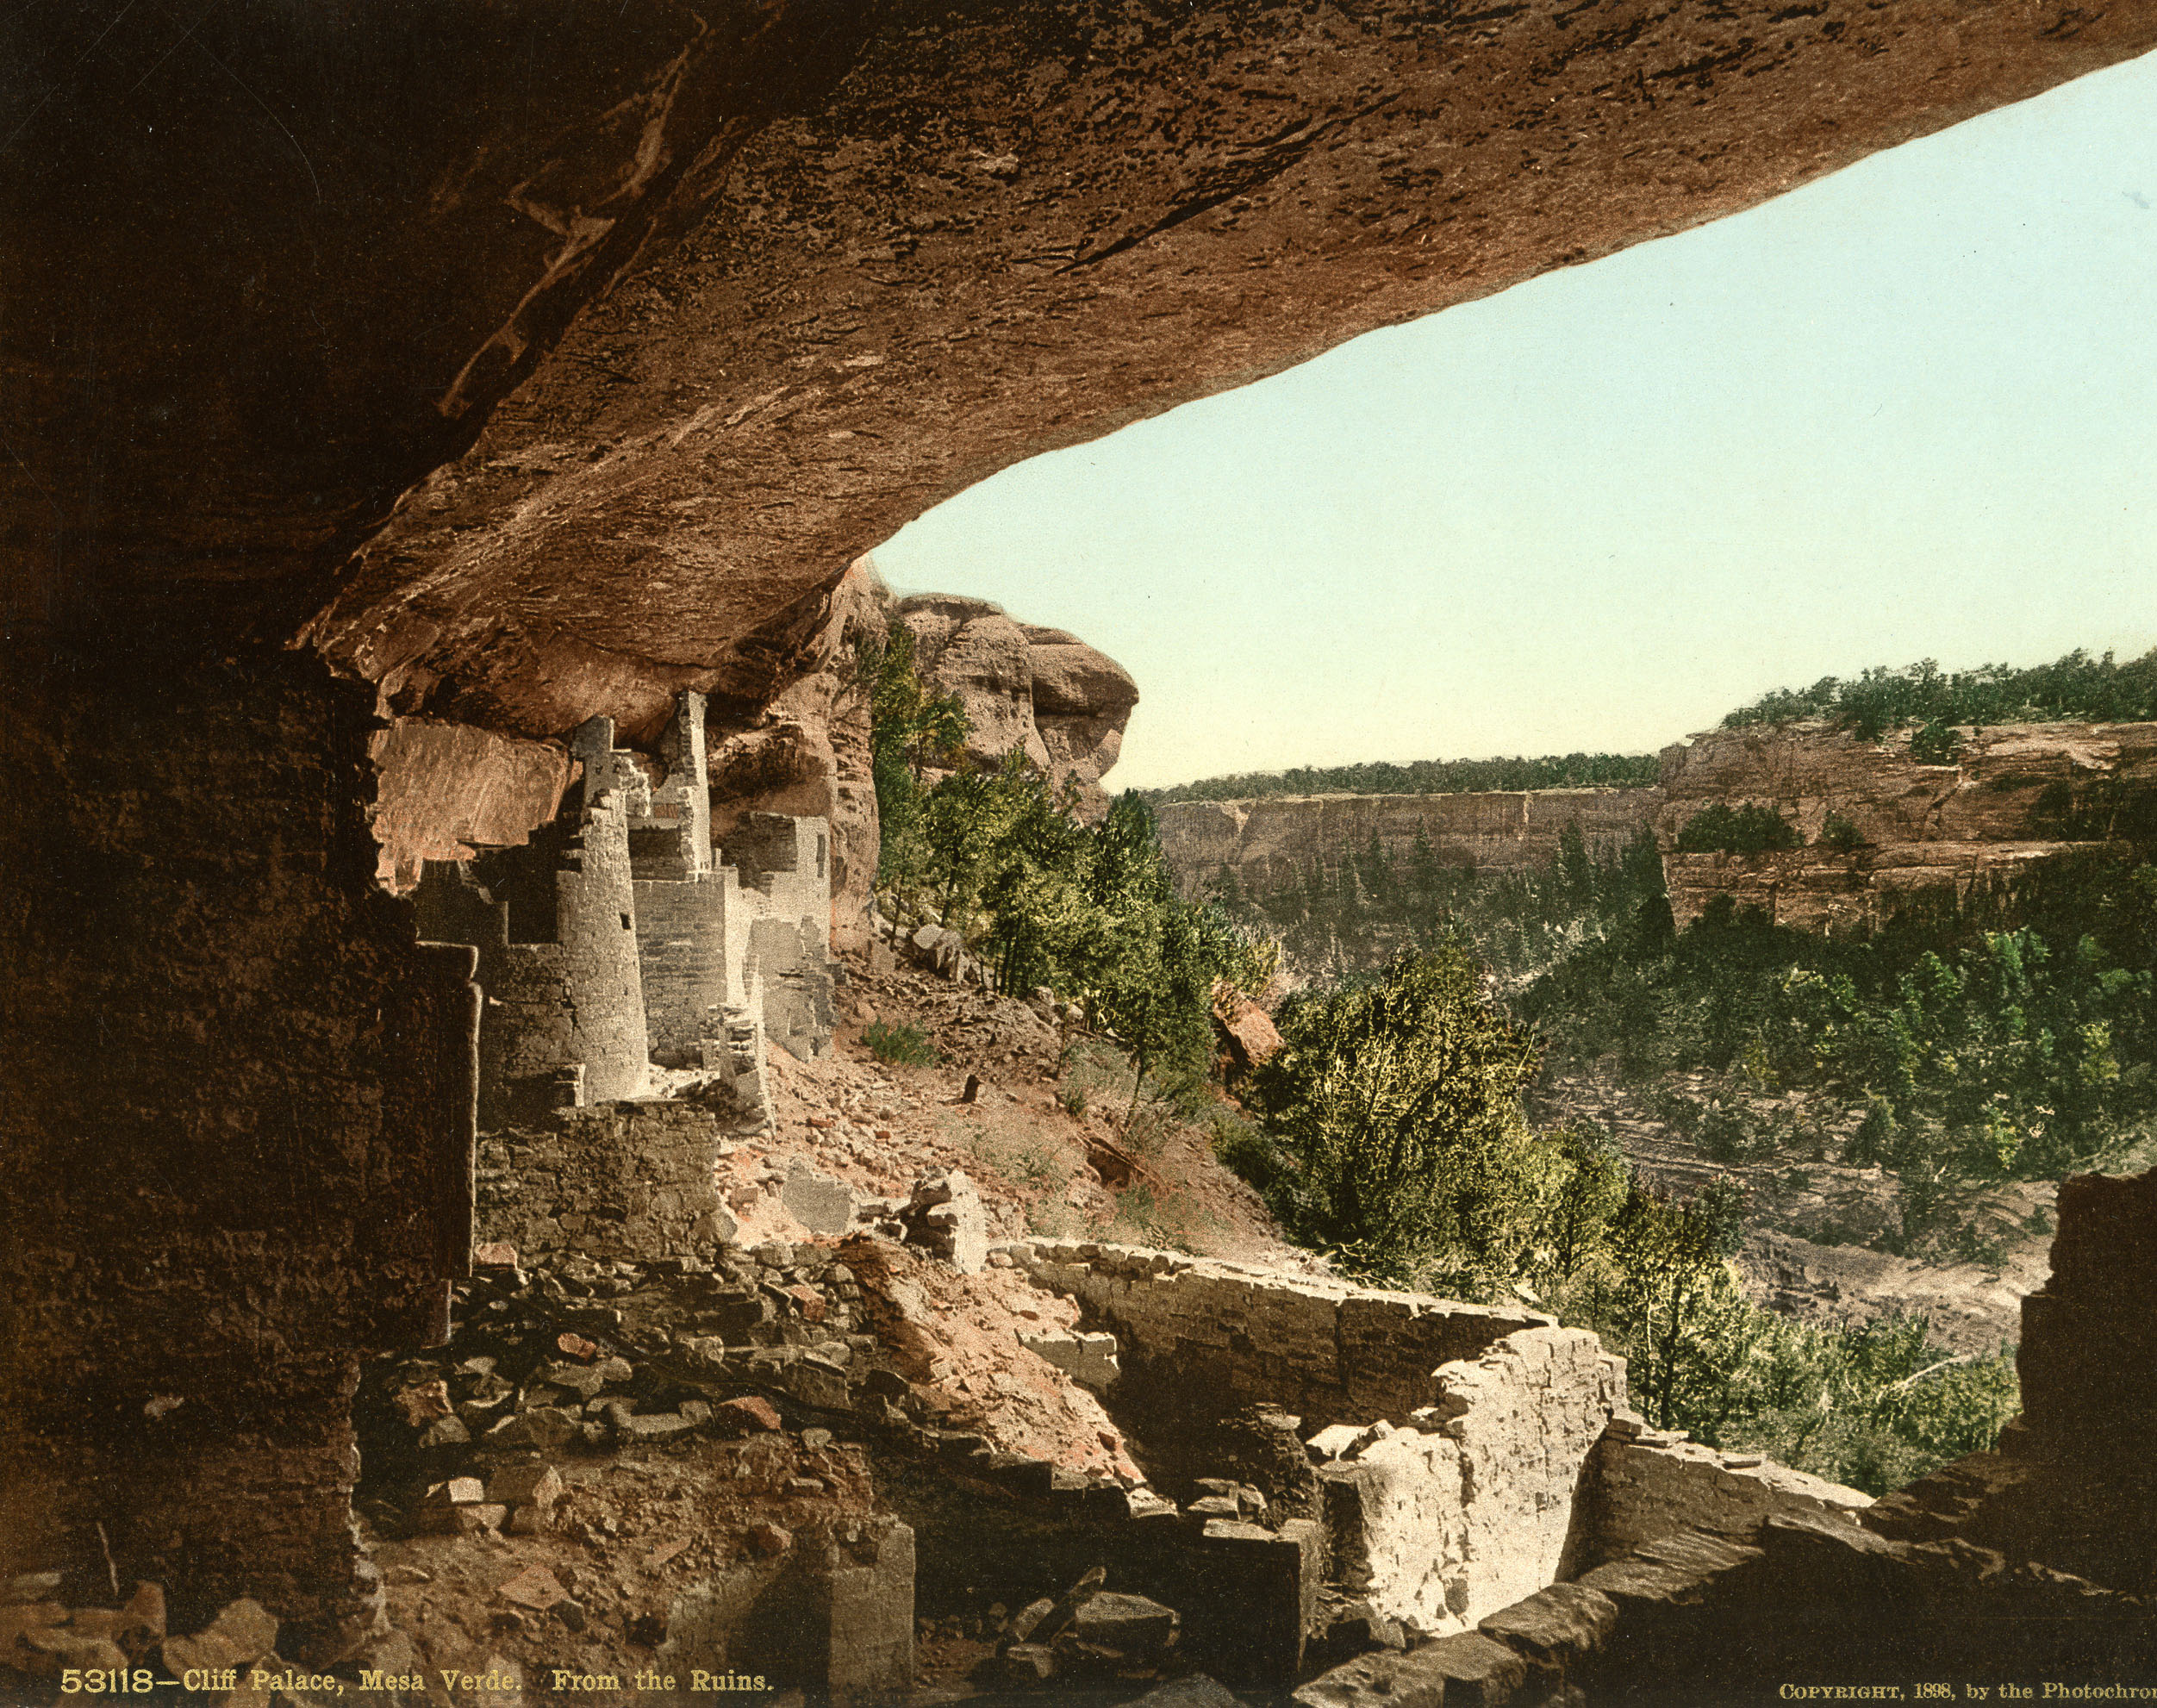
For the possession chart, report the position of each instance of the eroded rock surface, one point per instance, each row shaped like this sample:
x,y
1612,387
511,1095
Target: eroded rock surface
x,y
1269,843
2009,799
636,331
1039,691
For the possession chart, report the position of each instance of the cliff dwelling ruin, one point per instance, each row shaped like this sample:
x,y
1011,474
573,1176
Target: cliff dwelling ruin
x,y
441,445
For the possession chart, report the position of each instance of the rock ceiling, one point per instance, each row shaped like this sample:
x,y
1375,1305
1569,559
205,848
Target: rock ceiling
x,y
534,362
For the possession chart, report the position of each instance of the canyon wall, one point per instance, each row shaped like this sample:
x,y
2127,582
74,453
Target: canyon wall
x,y
2009,799
1879,827
1277,840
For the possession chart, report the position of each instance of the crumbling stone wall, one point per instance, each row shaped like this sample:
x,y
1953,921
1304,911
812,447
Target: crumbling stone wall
x,y
568,997
786,877
236,1100
683,932
1640,1485
1230,1337
2071,1483
1468,1507
836,1615
688,915
630,1180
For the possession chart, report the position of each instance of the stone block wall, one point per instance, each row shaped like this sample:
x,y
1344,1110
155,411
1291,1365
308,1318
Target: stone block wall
x,y
2088,1356
682,942
1224,1337
628,1180
1633,1490
785,867
236,1100
836,1616
2071,1483
1467,1505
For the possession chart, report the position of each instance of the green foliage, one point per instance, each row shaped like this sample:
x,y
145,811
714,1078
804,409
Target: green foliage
x,y
1427,776
1934,744
904,1046
1840,835
1398,1101
912,728
2076,686
1090,910
1355,917
1672,1297
1977,1053
1874,1405
1390,1133
1724,829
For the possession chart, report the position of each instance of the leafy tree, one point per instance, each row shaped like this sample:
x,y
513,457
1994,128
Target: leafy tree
x,y
1724,829
1676,1297
2076,686
912,728
1398,1102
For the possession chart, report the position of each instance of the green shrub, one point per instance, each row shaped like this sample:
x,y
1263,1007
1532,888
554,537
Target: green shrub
x,y
1724,829
1732,1133
903,1046
1839,835
1936,744
1244,1150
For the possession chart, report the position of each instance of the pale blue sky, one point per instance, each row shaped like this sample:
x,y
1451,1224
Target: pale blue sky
x,y
1908,411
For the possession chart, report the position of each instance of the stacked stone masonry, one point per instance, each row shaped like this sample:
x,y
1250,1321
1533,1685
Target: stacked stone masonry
x,y
1329,1352
1461,1459
617,938
1515,1427
627,1180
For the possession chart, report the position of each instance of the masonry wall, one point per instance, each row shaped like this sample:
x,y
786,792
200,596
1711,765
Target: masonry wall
x,y
1467,1506
617,1181
604,984
1228,1338
683,928
236,1100
1637,1488
785,867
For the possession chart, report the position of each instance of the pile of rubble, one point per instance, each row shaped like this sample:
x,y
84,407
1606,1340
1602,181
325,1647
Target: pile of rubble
x,y
1089,1631
106,1651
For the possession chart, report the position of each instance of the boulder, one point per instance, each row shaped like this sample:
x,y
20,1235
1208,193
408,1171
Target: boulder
x,y
1248,1035
821,1203
1128,1625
